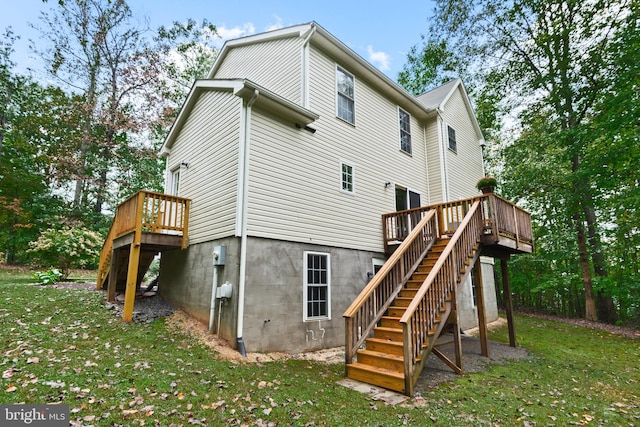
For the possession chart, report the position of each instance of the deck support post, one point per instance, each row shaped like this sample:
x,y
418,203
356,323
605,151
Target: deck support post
x,y
457,336
113,276
132,281
506,290
482,316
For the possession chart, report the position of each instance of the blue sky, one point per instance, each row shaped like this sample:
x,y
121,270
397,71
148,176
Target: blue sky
x,y
381,32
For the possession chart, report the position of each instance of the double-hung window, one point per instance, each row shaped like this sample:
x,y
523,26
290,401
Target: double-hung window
x,y
346,178
174,182
345,97
317,282
405,131
453,145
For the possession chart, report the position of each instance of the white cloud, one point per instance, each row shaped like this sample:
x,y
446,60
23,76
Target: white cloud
x,y
276,26
235,32
379,59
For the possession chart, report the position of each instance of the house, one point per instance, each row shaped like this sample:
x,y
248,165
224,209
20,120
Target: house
x,y
291,151
313,203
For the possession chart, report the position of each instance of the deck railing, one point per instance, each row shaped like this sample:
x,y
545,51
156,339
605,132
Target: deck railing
x,y
365,312
419,319
153,212
500,218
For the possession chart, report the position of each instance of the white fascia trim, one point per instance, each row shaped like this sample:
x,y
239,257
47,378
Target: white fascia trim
x,y
281,33
242,88
467,103
198,87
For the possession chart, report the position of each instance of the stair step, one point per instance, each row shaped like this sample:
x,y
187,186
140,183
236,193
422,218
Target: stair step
x,y
390,322
396,311
392,362
377,376
408,292
392,334
419,275
402,301
384,346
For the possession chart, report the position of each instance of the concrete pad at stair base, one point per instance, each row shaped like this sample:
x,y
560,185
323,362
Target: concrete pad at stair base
x,y
376,393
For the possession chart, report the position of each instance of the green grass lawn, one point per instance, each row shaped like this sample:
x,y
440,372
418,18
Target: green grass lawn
x,y
62,345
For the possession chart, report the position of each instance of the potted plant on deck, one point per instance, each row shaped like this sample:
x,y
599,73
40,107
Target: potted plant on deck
x,y
487,184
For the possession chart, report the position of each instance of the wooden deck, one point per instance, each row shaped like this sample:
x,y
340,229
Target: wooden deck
x,y
392,326
144,225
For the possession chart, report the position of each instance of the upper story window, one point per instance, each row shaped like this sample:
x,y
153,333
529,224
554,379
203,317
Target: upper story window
x,y
346,177
405,131
346,100
452,139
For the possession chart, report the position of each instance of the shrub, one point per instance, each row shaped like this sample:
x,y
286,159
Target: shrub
x,y
66,248
47,277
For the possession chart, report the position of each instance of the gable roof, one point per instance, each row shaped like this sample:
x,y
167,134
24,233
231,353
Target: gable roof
x,y
437,99
340,52
242,88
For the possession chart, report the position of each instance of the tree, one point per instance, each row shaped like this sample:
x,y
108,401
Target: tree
x,y
545,61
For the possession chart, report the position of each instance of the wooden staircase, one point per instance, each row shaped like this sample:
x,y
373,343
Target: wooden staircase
x,y
394,323
381,362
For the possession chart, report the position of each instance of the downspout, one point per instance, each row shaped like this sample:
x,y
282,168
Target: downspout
x,y
243,237
305,67
442,134
426,161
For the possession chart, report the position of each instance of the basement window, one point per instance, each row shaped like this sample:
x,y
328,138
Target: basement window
x,y
317,289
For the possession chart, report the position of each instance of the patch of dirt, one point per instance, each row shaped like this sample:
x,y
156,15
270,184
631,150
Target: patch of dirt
x,y
90,286
199,331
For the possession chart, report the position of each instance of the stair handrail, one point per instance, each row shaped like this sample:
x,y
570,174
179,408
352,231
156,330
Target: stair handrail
x,y
105,257
369,307
437,286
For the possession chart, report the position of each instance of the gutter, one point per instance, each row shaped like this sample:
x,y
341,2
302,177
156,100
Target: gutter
x,y
305,66
243,236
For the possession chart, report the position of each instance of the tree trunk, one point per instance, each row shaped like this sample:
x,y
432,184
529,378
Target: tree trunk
x,y
3,117
86,135
590,305
606,307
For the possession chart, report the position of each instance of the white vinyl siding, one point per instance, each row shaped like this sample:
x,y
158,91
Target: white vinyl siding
x,y
280,69
464,167
293,173
208,141
434,153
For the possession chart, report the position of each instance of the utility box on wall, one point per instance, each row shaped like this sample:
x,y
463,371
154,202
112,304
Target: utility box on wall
x,y
219,255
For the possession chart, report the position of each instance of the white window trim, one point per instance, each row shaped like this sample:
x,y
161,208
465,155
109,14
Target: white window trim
x,y
410,152
353,177
174,189
337,95
473,295
453,150
305,316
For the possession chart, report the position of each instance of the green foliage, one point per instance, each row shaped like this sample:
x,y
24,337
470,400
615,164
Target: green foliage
x,y
48,277
487,181
112,373
557,84
66,248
